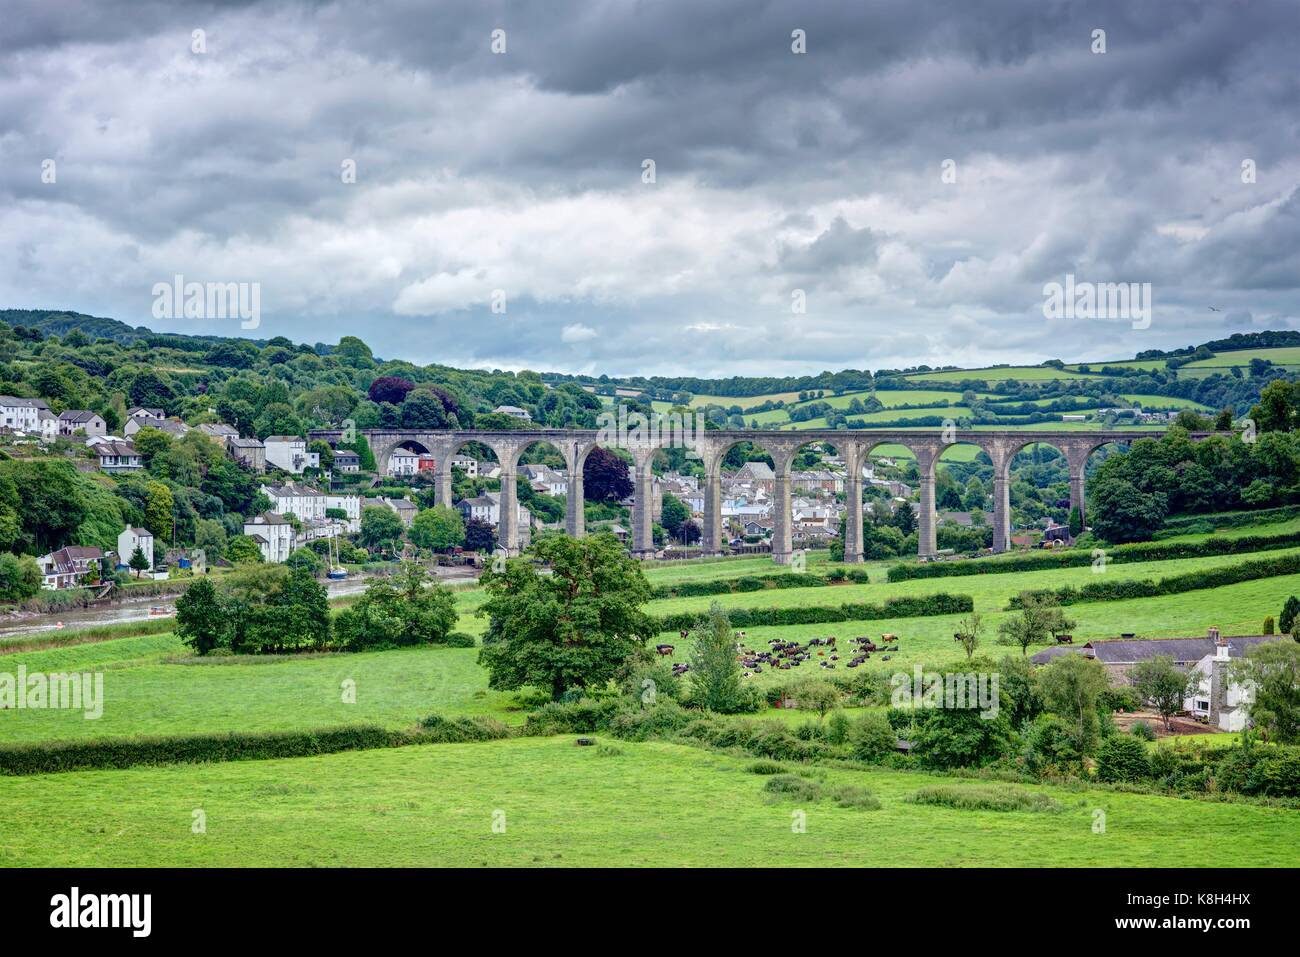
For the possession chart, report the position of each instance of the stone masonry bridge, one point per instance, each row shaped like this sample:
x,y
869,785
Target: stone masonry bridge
x,y
712,446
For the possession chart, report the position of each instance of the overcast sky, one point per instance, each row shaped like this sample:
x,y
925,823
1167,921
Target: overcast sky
x,y
775,171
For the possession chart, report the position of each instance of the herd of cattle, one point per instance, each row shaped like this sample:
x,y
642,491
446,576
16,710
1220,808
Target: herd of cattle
x,y
784,655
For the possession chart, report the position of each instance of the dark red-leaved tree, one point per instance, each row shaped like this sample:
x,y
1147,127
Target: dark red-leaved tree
x,y
390,388
605,476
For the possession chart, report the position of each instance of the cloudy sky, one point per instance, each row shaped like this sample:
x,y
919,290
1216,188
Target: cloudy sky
x,y
221,156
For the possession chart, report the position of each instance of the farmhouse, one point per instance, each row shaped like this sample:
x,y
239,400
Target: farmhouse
x,y
117,456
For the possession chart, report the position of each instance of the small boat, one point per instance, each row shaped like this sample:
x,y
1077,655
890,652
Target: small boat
x,y
337,574
158,611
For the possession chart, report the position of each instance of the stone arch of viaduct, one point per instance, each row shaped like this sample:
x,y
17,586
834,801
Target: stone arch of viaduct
x,y
854,446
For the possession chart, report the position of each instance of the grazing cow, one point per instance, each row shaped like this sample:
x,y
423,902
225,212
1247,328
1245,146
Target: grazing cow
x,y
664,649
1065,639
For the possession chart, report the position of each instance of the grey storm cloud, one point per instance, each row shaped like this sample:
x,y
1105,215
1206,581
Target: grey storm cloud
x,y
520,174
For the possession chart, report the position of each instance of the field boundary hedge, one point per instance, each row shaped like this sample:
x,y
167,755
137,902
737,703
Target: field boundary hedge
x,y
919,606
748,583
1079,557
52,757
1179,525
1170,585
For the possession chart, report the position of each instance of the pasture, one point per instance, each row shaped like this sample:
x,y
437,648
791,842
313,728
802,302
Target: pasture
x,y
632,805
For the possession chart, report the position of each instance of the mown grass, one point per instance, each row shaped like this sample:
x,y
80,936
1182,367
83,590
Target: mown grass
x,y
648,804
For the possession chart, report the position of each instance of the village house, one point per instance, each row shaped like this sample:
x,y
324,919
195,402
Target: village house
x,y
129,540
141,412
21,415
547,480
349,504
759,474
116,455
305,502
403,463
466,464
406,509
289,453
173,427
821,480
73,421
272,534
514,412
250,453
345,461
219,432
47,423
71,567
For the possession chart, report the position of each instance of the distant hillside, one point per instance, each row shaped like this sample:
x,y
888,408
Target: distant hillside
x,y
53,322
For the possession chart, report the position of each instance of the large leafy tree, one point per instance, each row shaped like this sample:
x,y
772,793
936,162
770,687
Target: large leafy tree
x,y
605,476
1274,670
480,536
380,527
389,388
202,619
577,627
1070,687
715,671
438,528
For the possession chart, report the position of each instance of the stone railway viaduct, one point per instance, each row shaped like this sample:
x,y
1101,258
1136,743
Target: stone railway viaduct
x,y
854,446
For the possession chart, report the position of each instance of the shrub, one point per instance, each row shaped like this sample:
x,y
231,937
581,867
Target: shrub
x,y
765,767
984,798
1142,731
792,787
872,737
855,797
576,717
440,730
1122,757
898,607
837,727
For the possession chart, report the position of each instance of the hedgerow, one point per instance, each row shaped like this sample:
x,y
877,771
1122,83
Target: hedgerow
x,y
919,606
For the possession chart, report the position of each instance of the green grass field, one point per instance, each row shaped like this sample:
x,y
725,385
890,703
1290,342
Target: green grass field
x,y
561,805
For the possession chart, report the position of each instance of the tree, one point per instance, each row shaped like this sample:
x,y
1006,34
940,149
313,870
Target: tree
x,y
307,560
20,577
150,443
674,515
962,737
1076,522
872,737
1071,687
389,388
1273,669
1159,681
968,633
242,550
201,617
480,536
139,561
814,694
715,671
905,518
381,527
1120,512
1122,757
575,628
605,476
1290,618
159,510
438,528
1039,617
423,410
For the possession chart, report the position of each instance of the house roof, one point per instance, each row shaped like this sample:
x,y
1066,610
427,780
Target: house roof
x,y
218,429
241,443
113,448
758,470
285,438
141,410
268,518
1131,650
77,415
139,532
291,489
15,402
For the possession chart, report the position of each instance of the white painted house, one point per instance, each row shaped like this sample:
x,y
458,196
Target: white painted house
x,y
21,415
273,535
403,462
132,538
289,453
301,500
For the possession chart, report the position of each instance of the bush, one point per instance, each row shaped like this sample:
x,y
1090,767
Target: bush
x,y
792,787
1142,731
765,767
858,798
440,730
1122,757
984,798
872,737
577,717
1263,772
458,639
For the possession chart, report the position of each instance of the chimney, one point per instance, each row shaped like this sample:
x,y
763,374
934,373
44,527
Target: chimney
x,y
1220,645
